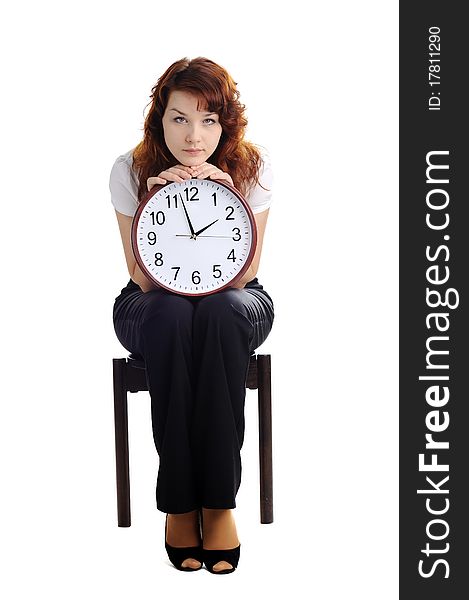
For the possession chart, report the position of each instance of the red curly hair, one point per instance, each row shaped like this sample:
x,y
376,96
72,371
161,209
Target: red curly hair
x,y
216,91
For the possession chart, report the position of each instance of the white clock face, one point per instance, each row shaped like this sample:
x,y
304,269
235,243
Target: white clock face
x,y
193,237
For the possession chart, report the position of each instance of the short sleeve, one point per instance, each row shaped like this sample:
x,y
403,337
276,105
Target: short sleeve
x,y
123,187
260,199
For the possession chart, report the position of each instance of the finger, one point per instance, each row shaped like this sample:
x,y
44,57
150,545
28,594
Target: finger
x,y
152,181
170,176
184,173
185,168
222,176
207,171
200,167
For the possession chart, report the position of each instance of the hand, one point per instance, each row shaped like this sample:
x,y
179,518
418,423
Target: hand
x,y
177,173
207,170
206,227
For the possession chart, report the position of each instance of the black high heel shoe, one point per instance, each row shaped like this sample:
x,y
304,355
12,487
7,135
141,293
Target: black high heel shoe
x,y
212,557
178,555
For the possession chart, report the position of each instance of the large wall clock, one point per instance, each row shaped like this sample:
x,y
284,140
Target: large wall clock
x,y
194,238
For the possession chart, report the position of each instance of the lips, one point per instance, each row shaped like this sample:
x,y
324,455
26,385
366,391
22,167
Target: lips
x,y
193,150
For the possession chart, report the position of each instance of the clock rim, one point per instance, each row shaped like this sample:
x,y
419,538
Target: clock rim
x,y
156,188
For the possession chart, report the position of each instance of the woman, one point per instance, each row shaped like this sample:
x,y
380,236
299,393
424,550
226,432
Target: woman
x,y
196,349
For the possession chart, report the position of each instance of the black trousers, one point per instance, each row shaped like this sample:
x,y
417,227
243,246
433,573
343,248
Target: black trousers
x,y
196,352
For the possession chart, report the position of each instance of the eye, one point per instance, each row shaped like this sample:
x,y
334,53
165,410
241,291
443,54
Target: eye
x,y
209,119
176,119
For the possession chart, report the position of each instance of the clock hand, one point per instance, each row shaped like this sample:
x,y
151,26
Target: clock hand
x,y
187,216
200,230
215,236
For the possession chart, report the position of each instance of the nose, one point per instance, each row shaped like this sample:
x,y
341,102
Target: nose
x,y
193,135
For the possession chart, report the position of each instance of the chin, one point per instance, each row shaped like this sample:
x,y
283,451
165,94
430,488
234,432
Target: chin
x,y
193,161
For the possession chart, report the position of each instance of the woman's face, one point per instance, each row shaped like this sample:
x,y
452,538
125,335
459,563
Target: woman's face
x,y
185,129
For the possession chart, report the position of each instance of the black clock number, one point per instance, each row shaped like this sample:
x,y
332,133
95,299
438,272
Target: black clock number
x,y
231,255
194,196
151,238
214,196
168,198
229,217
238,233
196,278
158,259
177,272
159,218
216,269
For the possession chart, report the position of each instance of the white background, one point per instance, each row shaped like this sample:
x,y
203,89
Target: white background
x,y
320,84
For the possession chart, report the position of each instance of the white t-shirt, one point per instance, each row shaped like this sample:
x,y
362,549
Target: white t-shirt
x,y
123,183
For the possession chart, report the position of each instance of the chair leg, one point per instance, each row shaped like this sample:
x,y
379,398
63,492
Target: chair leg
x,y
122,443
265,437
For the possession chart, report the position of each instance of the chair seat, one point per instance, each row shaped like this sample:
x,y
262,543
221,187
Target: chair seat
x,y
139,362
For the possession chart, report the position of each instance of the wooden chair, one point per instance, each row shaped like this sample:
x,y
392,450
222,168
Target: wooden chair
x,y
129,376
